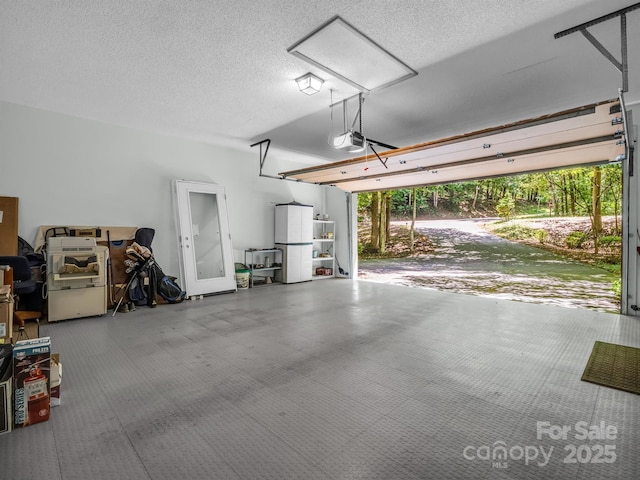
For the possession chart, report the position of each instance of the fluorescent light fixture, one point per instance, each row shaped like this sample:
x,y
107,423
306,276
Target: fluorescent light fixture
x,y
347,54
309,83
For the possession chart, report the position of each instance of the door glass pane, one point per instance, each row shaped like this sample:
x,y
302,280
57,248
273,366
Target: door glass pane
x,y
207,242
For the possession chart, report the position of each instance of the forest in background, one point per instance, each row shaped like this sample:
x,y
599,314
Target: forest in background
x,y
591,192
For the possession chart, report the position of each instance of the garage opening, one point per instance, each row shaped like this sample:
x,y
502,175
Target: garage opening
x,y
592,134
586,137
551,237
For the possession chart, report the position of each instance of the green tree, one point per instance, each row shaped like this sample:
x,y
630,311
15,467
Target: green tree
x,y
383,222
413,220
506,207
596,206
375,220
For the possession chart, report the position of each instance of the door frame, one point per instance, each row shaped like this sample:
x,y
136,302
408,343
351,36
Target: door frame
x,y
188,273
629,301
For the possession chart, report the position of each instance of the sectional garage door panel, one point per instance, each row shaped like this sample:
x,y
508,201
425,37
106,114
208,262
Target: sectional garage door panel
x,y
587,135
575,156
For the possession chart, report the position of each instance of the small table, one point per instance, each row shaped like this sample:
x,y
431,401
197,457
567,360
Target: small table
x,y
256,260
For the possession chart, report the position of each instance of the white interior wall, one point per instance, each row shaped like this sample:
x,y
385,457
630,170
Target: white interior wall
x,y
72,171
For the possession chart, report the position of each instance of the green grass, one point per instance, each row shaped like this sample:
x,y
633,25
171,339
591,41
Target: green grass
x,y
575,239
531,210
614,268
610,240
515,232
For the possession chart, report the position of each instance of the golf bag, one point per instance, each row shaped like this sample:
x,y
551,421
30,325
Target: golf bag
x,y
169,289
140,264
144,265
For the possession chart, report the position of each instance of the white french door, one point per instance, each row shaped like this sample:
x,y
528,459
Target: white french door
x,y
204,240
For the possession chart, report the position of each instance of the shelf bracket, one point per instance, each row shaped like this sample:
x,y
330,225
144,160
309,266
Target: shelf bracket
x,y
383,162
621,66
263,156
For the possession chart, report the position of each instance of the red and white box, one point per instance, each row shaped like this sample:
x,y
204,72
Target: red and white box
x,y
31,378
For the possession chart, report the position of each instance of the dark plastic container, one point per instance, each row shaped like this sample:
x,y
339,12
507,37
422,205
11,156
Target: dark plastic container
x,y
6,357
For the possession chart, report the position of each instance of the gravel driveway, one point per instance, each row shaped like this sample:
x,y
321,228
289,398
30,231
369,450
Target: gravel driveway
x,y
469,260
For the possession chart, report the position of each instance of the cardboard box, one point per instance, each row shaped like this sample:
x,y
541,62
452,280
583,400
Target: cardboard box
x,y
8,226
6,316
56,379
6,420
31,378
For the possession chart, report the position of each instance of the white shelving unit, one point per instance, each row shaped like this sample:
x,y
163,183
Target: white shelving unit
x,y
324,259
263,263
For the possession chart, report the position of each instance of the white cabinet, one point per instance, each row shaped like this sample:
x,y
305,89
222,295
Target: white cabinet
x,y
294,223
323,254
294,235
296,263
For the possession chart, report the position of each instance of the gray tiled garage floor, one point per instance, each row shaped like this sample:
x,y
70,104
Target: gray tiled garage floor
x,y
331,380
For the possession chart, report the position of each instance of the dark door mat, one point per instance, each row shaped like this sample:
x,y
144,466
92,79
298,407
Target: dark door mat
x,y
615,366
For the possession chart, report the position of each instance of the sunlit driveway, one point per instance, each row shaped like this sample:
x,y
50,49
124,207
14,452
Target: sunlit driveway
x,y
470,260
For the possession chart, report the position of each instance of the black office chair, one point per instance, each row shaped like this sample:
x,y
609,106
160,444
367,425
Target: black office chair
x,y
23,284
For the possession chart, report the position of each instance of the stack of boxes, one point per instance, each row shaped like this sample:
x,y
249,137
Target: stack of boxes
x,y
32,381
29,383
25,368
6,355
30,375
6,314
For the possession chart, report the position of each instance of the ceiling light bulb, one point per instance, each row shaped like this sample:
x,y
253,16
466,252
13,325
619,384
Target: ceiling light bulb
x,y
309,83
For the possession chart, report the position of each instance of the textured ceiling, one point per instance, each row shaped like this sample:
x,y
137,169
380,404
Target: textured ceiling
x,y
219,71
